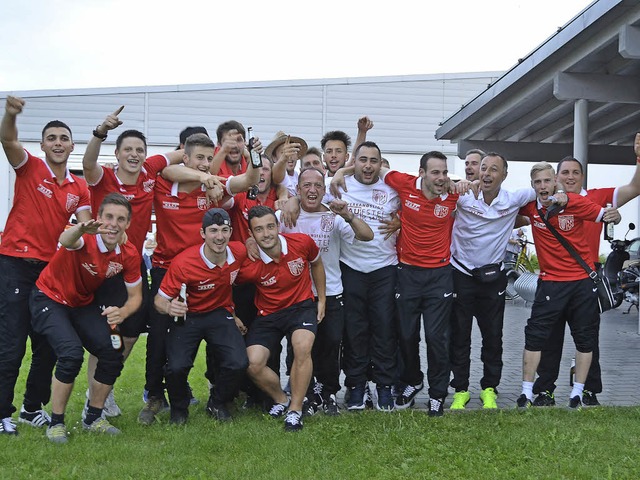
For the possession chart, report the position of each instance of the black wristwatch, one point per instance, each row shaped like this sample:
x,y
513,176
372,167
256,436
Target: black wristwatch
x,y
101,136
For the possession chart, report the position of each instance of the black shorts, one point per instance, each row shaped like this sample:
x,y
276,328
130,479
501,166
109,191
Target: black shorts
x,y
269,330
113,292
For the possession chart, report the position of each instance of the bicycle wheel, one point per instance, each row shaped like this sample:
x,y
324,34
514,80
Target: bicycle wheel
x,y
512,276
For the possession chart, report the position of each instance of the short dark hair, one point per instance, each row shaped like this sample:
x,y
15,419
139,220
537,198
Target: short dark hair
x,y
501,157
368,144
569,158
197,140
56,124
432,154
131,133
313,151
336,135
230,125
260,211
187,132
475,151
115,198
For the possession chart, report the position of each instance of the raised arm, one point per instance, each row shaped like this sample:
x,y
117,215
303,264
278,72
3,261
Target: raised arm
x,y
630,191
364,125
230,140
362,231
90,168
279,170
9,131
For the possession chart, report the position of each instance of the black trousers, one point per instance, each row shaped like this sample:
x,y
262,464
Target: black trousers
x,y
426,292
549,367
68,330
485,301
17,279
159,324
219,330
369,326
326,350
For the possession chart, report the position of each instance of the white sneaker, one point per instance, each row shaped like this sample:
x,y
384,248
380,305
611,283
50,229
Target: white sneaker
x,y
111,408
8,426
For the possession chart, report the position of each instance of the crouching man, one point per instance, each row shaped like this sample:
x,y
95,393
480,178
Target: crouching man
x,y
63,309
208,271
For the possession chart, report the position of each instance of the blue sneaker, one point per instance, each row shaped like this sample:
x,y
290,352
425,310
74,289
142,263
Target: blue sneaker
x,y
385,399
356,398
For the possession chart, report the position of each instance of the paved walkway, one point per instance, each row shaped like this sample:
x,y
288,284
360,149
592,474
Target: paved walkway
x,y
619,359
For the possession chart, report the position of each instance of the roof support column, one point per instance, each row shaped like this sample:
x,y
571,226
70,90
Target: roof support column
x,y
581,135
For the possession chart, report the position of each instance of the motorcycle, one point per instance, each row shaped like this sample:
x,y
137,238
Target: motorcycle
x,y
614,266
629,283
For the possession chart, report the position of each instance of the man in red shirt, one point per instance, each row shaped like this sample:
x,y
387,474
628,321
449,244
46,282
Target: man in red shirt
x,y
64,310
44,189
231,153
571,177
179,205
207,271
565,289
286,307
134,177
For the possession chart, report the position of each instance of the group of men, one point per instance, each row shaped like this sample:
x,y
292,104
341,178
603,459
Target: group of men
x,y
250,251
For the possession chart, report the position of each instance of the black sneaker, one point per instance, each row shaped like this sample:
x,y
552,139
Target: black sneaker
x,y
544,399
436,407
178,417
278,410
407,397
8,427
368,396
317,397
219,412
523,402
385,399
356,398
331,406
39,418
575,403
589,399
309,407
293,422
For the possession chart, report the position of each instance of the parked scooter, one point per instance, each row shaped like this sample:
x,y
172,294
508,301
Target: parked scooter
x,y
629,278
615,264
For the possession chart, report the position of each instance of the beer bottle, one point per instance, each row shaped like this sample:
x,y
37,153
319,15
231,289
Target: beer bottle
x,y
608,228
116,338
182,297
256,161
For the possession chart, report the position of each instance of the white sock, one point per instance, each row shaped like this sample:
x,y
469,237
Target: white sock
x,y
527,389
577,389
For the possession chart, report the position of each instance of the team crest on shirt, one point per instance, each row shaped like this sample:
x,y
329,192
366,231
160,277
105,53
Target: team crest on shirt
x,y
72,202
440,211
148,185
326,222
203,203
296,267
232,277
565,222
113,268
379,197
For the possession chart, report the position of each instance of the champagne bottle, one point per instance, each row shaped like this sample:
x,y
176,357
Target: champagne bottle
x,y
256,161
608,228
116,338
182,297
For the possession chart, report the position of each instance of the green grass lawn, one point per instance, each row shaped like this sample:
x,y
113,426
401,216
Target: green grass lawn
x,y
542,443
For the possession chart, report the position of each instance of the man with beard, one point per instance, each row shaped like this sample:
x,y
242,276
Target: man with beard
x,y
571,177
46,195
286,307
330,228
179,205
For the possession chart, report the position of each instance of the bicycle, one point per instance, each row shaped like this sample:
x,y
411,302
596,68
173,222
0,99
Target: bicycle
x,y
517,268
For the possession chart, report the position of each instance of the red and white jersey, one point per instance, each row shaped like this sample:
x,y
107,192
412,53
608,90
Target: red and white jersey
x,y
72,276
208,285
592,230
178,219
286,282
556,264
41,209
140,195
426,224
239,208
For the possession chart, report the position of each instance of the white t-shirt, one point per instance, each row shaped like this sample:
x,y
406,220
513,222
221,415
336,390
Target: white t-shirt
x,y
481,232
291,182
330,232
371,203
